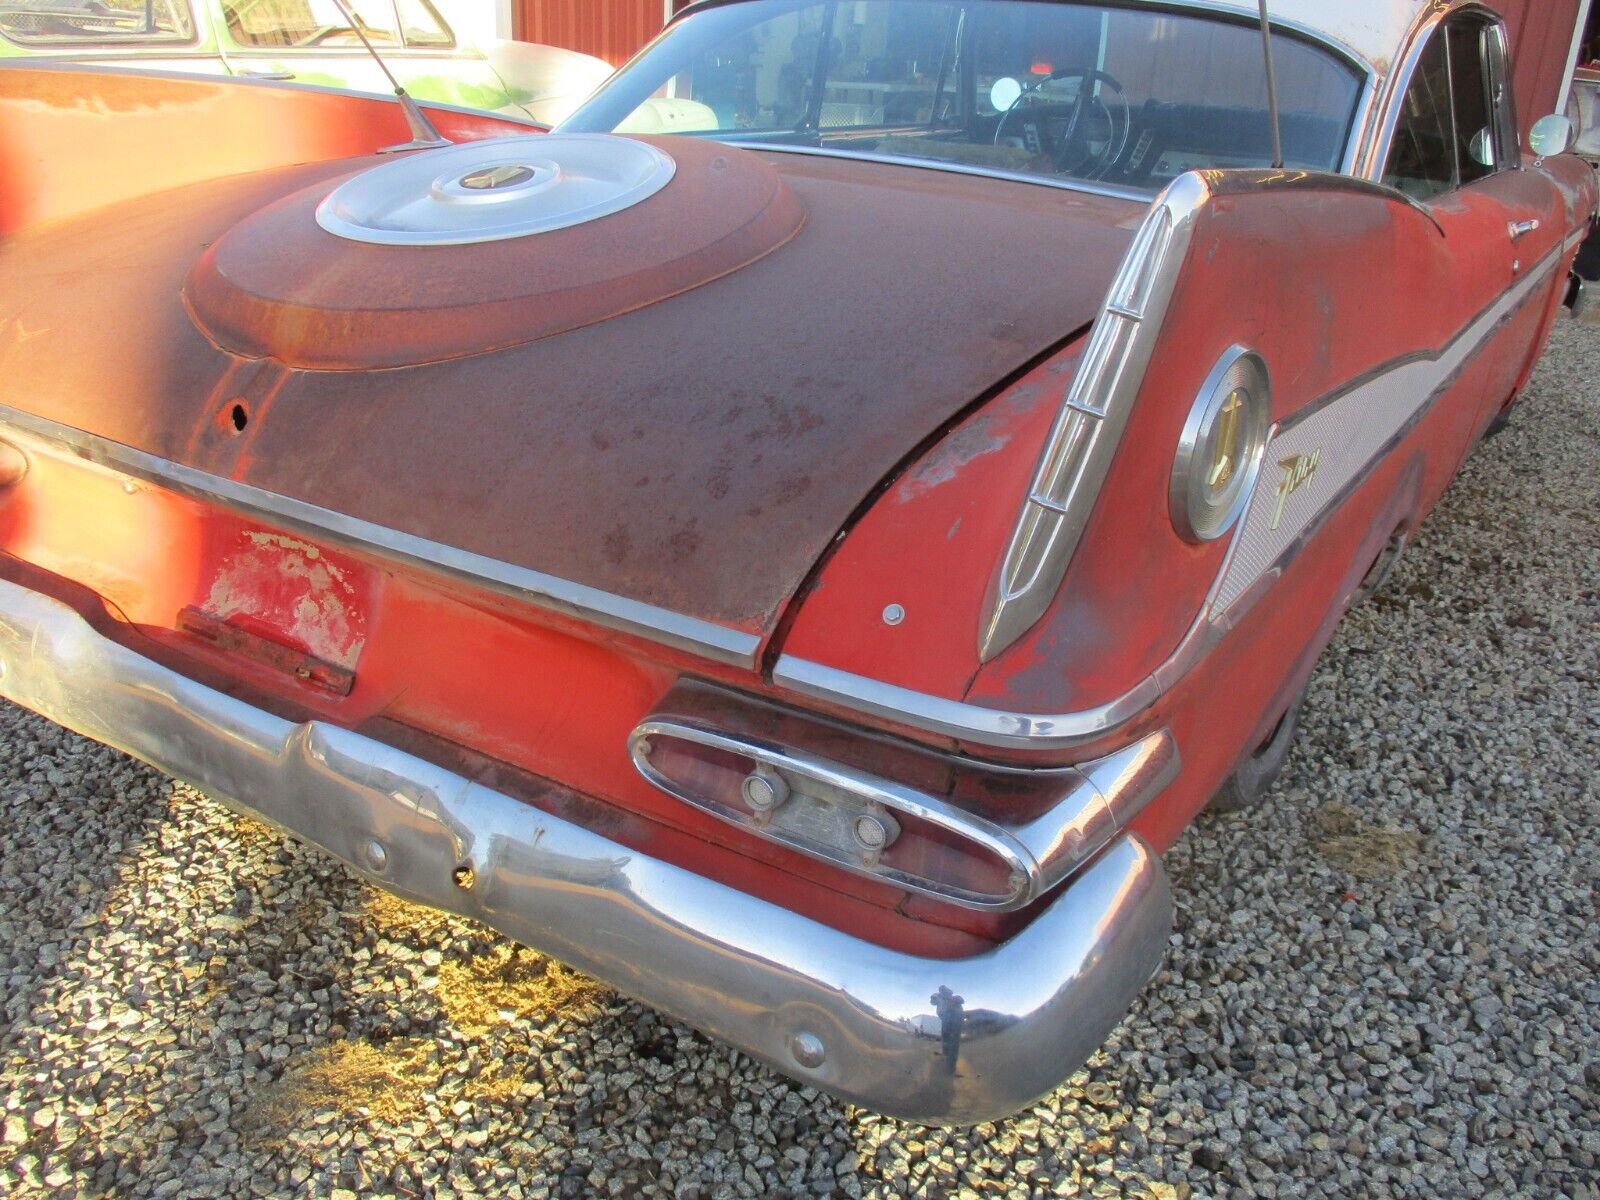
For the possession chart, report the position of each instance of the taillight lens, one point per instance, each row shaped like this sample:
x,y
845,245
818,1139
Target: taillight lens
x,y
863,824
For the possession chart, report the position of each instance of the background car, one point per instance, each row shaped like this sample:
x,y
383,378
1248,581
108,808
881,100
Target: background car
x,y
307,41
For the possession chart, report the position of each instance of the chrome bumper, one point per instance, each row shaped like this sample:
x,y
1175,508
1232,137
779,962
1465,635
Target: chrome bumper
x,y
942,1041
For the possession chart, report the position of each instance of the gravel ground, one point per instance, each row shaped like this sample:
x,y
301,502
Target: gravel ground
x,y
1383,983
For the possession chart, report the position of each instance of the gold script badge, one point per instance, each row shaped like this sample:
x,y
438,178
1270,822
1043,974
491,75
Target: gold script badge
x,y
1297,473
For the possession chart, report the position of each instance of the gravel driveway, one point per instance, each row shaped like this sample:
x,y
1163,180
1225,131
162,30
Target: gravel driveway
x,y
1386,982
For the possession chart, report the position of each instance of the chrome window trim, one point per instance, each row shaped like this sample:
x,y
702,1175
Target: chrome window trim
x,y
1375,160
1098,801
150,46
1086,186
535,588
981,725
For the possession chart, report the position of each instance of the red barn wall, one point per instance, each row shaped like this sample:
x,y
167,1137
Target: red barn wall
x,y
608,29
1542,32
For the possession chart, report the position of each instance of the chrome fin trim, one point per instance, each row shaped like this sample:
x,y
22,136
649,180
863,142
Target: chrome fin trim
x,y
536,588
1078,452
947,1041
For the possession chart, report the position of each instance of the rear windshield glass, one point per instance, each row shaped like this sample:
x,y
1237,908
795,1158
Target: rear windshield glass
x,y
1062,91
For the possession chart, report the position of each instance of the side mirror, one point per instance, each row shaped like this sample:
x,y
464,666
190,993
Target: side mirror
x,y
1552,135
1482,148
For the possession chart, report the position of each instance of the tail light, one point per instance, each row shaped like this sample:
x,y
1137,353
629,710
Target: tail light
x,y
888,831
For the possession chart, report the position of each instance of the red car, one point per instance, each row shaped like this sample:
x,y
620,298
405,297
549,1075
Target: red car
x,y
803,560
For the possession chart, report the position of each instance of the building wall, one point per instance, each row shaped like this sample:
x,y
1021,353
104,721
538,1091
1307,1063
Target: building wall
x,y
1542,33
608,29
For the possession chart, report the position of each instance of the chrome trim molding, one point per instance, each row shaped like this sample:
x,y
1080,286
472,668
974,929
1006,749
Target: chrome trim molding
x,y
953,1041
1389,106
1086,186
1078,451
981,725
1097,802
548,592
958,719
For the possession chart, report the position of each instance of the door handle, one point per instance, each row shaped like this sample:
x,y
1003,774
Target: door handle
x,y
1521,229
249,74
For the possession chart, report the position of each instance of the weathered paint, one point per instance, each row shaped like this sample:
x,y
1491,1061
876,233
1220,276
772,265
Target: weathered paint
x,y
505,692
654,455
135,133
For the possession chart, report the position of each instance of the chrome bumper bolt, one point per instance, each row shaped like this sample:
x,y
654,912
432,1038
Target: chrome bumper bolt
x,y
808,1050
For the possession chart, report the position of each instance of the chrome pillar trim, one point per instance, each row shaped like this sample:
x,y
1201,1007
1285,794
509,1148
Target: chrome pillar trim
x,y
536,588
953,1041
1078,451
1389,105
1097,802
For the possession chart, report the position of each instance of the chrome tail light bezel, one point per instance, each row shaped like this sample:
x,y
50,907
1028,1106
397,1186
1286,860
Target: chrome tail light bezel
x,y
1096,802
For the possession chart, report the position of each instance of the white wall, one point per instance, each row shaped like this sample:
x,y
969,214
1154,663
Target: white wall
x,y
477,20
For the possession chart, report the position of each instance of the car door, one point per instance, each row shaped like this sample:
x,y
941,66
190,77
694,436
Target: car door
x,y
1456,151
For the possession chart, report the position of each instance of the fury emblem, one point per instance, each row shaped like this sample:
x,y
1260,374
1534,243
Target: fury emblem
x,y
1298,471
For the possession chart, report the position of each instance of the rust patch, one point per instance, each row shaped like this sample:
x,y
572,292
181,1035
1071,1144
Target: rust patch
x,y
968,444
291,587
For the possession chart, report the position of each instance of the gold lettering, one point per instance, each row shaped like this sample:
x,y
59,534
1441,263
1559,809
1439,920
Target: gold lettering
x,y
1298,471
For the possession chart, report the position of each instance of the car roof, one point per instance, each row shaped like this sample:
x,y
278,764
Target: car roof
x,y
1375,31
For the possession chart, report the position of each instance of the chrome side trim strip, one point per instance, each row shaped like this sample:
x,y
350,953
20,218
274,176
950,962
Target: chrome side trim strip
x,y
535,588
981,725
951,1041
1086,186
1097,801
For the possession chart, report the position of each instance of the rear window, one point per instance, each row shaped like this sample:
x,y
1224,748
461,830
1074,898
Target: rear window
x,y
1121,95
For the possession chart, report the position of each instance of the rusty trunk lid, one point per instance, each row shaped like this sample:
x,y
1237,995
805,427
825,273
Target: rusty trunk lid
x,y
694,443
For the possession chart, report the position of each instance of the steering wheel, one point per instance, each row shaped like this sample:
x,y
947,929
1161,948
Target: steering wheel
x,y
1087,162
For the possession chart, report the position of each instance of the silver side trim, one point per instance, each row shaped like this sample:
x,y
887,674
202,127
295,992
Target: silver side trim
x,y
954,1041
1097,802
981,725
535,588
1089,187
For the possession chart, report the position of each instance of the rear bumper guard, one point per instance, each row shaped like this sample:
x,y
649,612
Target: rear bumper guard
x,y
933,1040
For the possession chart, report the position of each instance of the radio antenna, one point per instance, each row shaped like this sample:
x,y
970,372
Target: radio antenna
x,y
1272,89
423,135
